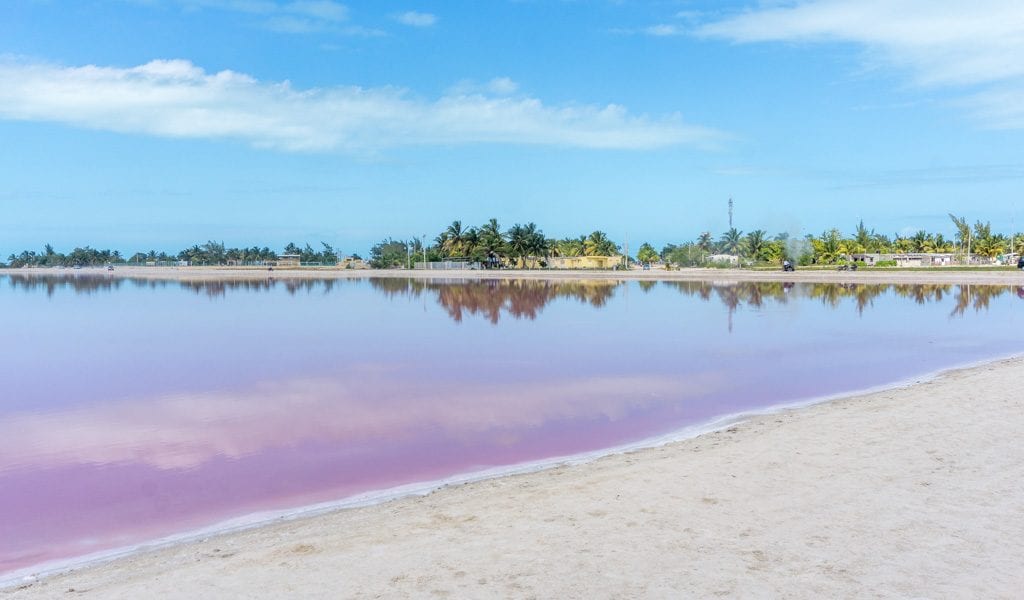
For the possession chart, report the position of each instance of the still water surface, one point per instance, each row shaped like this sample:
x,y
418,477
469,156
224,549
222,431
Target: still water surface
x,y
135,409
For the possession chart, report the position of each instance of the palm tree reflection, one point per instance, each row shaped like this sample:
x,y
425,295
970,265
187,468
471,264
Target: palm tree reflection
x,y
526,298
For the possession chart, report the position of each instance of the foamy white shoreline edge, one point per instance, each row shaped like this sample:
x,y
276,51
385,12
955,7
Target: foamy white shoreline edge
x,y
263,519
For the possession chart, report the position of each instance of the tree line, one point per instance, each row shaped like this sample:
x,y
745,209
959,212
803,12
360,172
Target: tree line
x,y
526,245
210,253
832,246
490,245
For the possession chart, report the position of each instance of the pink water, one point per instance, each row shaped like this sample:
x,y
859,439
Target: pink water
x,y
133,410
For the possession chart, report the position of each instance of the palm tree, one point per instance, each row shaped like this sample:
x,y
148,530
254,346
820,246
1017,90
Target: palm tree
x,y
922,241
830,246
756,243
963,230
442,243
731,240
570,246
646,253
454,240
471,243
535,241
518,243
490,240
598,244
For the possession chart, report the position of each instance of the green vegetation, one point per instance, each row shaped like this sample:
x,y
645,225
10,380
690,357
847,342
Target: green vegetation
x,y
832,247
210,253
522,246
526,246
647,254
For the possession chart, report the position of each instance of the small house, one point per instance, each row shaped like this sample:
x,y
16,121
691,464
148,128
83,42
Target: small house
x,y
289,260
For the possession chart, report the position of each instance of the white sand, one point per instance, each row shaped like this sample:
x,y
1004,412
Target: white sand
x,y
914,492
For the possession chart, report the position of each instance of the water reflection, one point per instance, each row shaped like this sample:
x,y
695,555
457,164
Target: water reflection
x,y
833,295
138,427
93,283
490,299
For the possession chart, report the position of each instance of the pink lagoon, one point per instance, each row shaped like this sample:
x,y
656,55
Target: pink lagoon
x,y
134,410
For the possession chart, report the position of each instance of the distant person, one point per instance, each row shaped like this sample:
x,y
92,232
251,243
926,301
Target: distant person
x,y
1020,262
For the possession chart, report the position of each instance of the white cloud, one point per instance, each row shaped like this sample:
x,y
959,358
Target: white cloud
x,y
175,98
318,9
939,42
663,30
502,86
416,19
186,430
499,86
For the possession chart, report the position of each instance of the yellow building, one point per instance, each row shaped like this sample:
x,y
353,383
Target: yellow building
x,y
584,262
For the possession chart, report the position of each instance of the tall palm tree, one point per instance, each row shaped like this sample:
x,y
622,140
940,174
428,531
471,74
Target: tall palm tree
x,y
490,237
756,243
598,244
963,230
471,242
730,241
454,240
518,243
536,243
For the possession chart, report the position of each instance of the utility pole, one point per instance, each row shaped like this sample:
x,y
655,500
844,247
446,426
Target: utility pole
x,y
730,213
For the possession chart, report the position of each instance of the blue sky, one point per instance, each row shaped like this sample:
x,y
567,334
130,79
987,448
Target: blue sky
x,y
139,124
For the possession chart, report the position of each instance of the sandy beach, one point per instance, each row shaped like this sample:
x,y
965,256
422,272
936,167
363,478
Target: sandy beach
x,y
933,276
912,492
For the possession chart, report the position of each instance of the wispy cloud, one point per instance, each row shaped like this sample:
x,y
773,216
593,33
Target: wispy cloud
x,y
175,98
416,19
282,16
1001,107
499,86
663,30
938,42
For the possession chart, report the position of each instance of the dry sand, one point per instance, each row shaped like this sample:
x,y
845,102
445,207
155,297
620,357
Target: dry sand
x,y
936,275
912,492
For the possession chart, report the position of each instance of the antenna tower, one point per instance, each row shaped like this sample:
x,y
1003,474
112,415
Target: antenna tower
x,y
730,213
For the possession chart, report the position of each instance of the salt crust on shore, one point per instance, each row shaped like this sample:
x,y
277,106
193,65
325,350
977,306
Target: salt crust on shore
x,y
910,492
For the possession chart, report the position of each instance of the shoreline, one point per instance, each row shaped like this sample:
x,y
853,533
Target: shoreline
x,y
895,276
262,524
